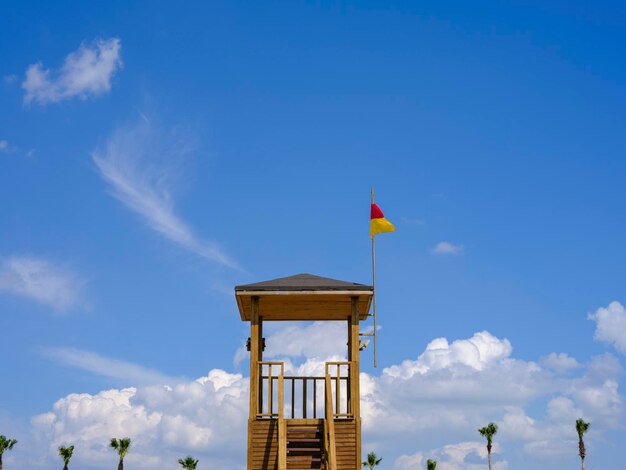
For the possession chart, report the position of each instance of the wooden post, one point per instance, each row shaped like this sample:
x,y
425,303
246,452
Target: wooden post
x,y
255,381
355,371
329,426
350,347
282,425
254,373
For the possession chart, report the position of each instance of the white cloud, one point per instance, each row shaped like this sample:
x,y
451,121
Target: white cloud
x,y
447,248
86,72
206,417
41,281
10,79
319,340
4,146
124,371
412,221
560,362
475,353
611,325
442,397
138,162
457,456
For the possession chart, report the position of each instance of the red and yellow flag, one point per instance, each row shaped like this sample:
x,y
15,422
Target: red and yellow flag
x,y
378,223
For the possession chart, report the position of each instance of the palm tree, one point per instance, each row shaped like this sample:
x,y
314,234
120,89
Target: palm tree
x,y
5,444
581,428
431,464
489,431
372,461
121,446
66,454
188,463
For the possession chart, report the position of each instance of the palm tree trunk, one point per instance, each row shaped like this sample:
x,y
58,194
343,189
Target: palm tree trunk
x,y
581,451
0,461
489,459
65,467
120,466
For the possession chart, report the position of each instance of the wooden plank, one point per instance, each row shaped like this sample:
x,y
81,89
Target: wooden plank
x,y
279,306
254,334
254,358
282,429
298,293
355,375
329,427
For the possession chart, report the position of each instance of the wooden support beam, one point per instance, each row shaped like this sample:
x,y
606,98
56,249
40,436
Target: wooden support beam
x,y
282,424
355,372
255,381
330,442
254,373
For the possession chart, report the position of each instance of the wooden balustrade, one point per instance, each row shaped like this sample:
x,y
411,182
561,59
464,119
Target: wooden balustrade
x,y
342,409
301,394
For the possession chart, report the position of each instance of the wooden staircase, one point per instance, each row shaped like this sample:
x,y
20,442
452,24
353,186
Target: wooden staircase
x,y
276,442
305,447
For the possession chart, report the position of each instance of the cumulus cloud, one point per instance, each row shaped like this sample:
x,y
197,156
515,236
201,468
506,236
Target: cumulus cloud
x,y
138,162
460,456
40,280
317,340
115,369
474,353
447,248
611,325
436,401
206,417
86,72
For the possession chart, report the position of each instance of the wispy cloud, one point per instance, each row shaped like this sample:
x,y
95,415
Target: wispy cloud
x,y
10,79
447,248
115,369
412,221
4,146
86,72
137,162
41,281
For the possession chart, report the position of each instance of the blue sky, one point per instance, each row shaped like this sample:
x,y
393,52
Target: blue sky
x,y
153,155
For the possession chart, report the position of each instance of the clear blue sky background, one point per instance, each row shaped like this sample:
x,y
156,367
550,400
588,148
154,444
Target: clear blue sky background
x,y
497,127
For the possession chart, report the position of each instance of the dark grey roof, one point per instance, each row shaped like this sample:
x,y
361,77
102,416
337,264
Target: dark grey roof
x,y
303,282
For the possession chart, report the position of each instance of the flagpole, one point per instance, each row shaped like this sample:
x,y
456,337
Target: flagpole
x,y
374,287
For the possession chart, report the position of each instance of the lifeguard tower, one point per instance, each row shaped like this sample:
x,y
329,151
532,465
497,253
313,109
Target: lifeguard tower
x,y
304,422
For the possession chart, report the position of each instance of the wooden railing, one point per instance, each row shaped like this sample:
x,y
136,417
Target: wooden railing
x,y
266,401
330,448
280,409
338,373
302,394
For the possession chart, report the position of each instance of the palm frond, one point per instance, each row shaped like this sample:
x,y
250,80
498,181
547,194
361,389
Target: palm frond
x,y
188,463
6,443
489,431
581,427
66,453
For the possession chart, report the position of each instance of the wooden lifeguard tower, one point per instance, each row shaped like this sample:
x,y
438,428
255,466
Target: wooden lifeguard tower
x,y
304,422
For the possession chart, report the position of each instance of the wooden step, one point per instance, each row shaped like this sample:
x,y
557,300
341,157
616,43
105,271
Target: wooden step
x,y
304,445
